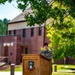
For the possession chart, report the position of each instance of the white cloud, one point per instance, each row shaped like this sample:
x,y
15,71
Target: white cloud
x,y
1,16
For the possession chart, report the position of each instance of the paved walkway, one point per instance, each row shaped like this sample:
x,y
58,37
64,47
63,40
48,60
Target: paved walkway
x,y
66,71
20,73
8,73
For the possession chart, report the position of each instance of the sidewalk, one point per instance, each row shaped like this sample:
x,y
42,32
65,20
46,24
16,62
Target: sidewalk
x,y
20,73
8,73
71,71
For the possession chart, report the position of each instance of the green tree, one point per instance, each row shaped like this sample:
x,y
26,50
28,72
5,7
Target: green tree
x,y
3,26
5,21
3,1
62,39
54,36
43,9
62,15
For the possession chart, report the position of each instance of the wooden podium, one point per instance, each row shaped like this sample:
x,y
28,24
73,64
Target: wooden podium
x,y
35,64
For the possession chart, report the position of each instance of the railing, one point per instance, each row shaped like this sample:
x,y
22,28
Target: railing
x,y
3,61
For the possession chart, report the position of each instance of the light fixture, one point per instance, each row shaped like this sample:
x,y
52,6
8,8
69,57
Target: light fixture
x,y
8,44
4,44
11,43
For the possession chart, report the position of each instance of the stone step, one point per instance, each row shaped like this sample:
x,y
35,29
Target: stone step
x,y
2,58
2,64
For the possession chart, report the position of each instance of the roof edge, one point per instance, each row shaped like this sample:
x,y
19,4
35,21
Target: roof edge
x,y
17,22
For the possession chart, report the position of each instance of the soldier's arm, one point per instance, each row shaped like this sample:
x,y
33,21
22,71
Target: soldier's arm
x,y
50,55
42,53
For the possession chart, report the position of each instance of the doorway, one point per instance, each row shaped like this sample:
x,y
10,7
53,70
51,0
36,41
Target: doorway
x,y
24,50
6,51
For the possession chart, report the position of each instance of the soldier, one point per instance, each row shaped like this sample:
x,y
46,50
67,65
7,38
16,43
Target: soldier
x,y
46,52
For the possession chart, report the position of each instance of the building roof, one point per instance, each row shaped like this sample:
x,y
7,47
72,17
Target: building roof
x,y
20,17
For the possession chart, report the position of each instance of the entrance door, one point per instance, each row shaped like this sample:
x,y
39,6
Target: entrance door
x,y
26,51
6,51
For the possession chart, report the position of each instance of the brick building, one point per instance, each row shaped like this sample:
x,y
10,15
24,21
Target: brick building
x,y
22,39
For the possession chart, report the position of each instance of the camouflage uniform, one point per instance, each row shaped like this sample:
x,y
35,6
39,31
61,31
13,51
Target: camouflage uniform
x,y
47,53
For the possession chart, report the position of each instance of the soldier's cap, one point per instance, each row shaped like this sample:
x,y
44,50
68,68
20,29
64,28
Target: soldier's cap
x,y
45,44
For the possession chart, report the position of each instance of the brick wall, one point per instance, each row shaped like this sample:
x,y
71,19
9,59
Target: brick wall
x,y
12,50
68,61
35,42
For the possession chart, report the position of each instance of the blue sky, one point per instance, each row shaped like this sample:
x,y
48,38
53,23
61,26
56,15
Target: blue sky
x,y
9,10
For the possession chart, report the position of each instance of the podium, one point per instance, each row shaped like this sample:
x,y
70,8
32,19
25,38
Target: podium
x,y
35,64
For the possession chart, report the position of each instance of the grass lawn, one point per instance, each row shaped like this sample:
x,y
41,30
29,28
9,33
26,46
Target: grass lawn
x,y
59,67
17,68
64,67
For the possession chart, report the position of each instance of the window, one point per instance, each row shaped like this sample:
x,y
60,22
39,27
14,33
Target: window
x,y
32,31
24,32
40,31
10,32
26,50
14,32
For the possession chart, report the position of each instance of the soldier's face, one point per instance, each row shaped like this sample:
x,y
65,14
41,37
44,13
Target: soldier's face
x,y
46,47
